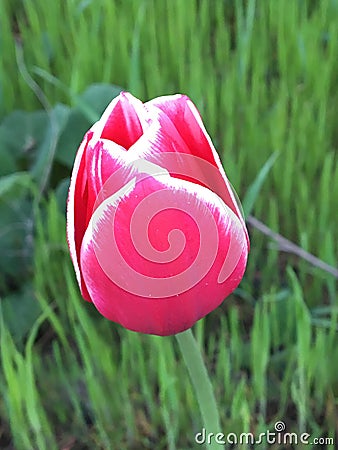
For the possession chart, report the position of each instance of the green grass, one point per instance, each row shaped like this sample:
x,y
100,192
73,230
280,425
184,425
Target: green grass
x,y
263,75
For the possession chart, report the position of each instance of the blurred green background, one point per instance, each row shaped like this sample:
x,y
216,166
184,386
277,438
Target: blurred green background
x,y
264,77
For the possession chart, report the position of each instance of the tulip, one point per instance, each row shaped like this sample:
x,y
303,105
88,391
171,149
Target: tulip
x,y
155,234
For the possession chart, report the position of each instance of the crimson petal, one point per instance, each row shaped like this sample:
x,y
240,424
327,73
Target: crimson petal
x,y
162,253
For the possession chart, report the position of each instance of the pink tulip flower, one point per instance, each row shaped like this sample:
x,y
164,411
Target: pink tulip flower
x,y
155,234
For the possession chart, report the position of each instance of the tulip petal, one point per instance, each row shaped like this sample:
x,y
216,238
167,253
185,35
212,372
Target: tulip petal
x,y
185,117
95,162
124,120
76,228
155,254
162,145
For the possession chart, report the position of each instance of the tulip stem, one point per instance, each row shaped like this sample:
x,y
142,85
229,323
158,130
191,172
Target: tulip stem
x,y
203,388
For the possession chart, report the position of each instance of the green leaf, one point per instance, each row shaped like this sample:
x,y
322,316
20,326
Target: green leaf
x,y
16,229
96,98
21,133
255,187
71,138
20,310
46,151
61,193
9,182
